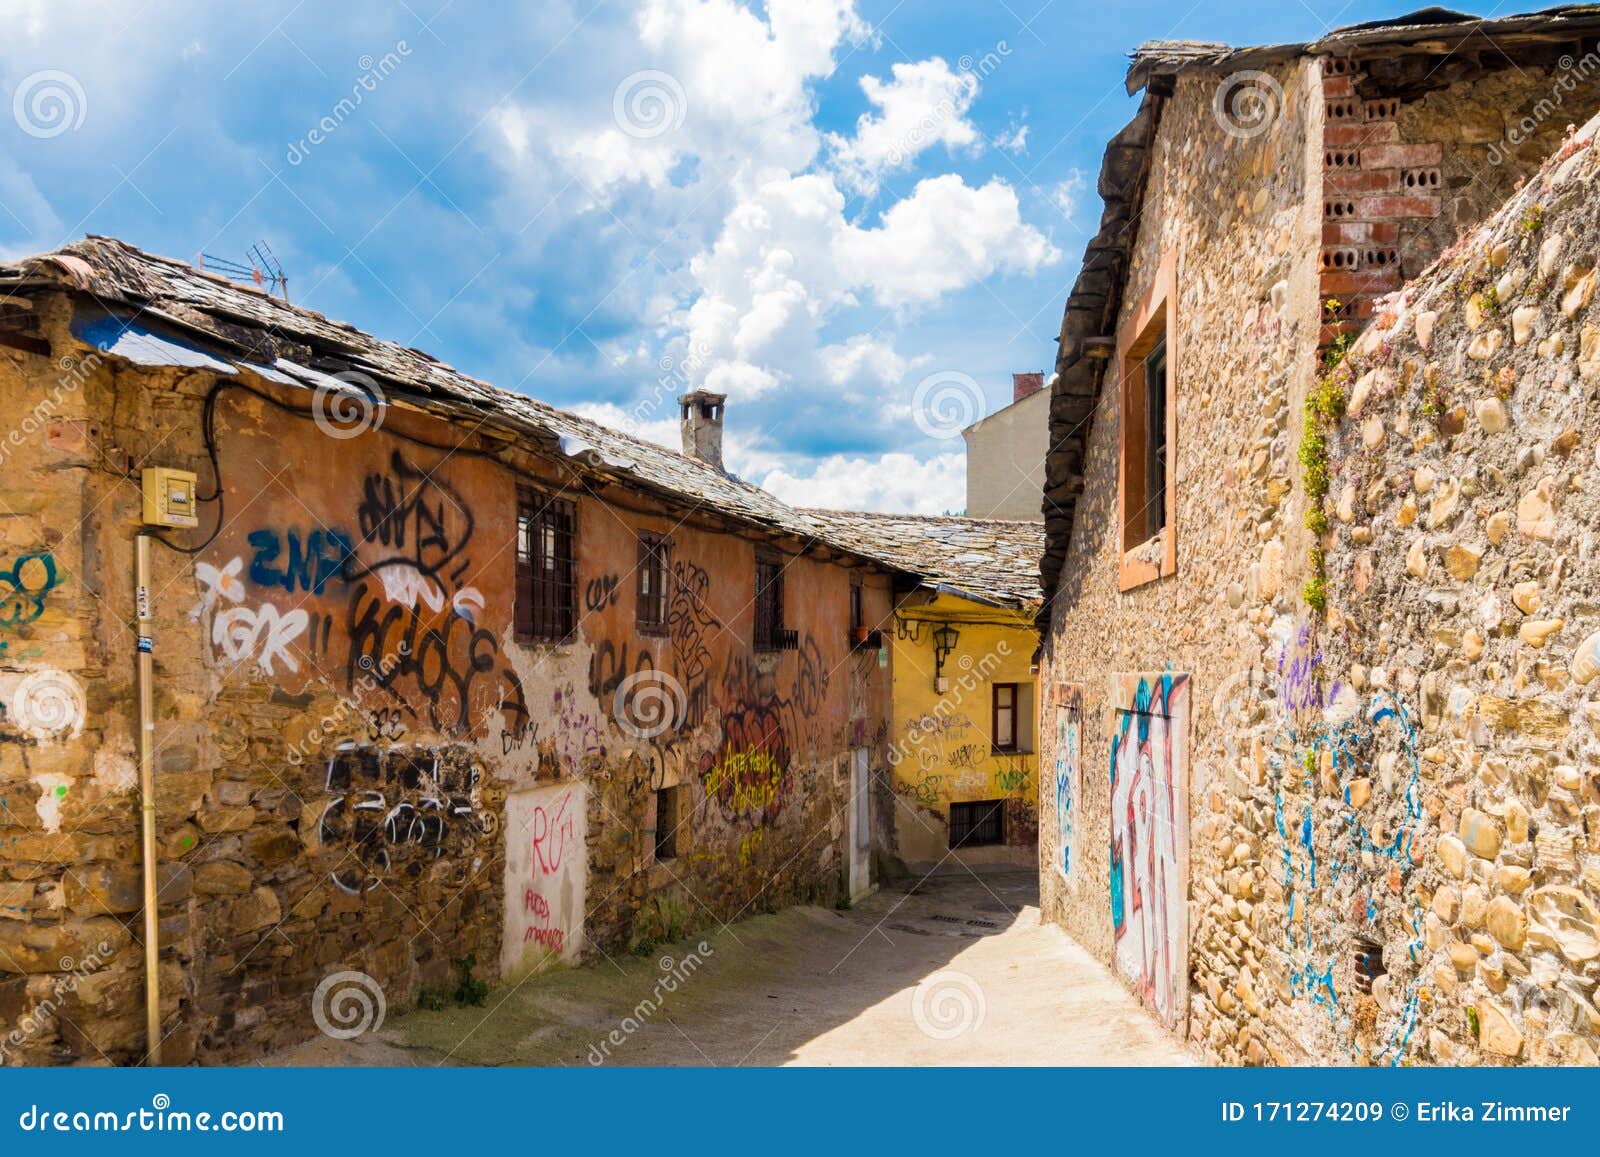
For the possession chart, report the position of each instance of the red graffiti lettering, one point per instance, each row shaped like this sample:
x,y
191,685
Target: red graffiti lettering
x,y
551,831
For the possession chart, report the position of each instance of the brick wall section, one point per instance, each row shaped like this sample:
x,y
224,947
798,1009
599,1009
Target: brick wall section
x,y
1374,186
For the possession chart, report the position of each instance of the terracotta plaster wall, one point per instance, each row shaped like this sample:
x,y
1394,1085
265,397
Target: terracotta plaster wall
x,y
345,716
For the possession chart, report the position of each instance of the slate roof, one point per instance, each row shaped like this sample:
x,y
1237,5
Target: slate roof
x,y
989,559
1437,31
132,304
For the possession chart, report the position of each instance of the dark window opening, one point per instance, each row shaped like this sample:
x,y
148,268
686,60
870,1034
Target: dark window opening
x,y
857,619
1155,462
547,567
769,632
667,823
1005,717
977,824
653,571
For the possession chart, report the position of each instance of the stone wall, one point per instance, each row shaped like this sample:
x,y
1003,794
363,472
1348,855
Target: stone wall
x,y
1361,696
1462,518
359,765
1241,209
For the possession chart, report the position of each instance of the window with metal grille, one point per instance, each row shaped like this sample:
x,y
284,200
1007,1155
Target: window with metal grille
x,y
974,825
653,570
769,633
1005,717
547,567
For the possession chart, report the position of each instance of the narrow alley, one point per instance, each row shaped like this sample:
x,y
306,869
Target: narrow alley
x,y
957,971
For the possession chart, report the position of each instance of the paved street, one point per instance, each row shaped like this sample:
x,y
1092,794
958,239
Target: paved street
x,y
957,972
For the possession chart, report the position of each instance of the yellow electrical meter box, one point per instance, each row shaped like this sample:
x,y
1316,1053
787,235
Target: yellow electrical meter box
x,y
169,497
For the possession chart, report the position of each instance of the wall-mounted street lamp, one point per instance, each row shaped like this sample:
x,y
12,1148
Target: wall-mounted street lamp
x,y
944,642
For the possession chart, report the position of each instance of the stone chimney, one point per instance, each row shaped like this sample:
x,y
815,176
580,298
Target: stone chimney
x,y
1025,386
701,425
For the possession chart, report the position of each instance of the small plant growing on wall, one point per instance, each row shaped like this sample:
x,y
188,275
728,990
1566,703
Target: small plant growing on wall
x,y
1324,408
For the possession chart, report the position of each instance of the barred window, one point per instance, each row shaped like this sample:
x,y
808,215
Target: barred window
x,y
547,567
978,824
653,570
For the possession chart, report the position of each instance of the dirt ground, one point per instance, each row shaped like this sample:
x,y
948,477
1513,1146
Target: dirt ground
x,y
954,971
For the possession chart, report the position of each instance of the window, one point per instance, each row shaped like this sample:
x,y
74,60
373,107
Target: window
x,y
653,570
667,822
857,619
769,633
1005,717
1155,458
547,567
974,825
1146,491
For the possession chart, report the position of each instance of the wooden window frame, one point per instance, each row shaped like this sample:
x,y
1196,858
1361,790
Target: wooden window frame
x,y
1015,743
768,627
655,568
546,599
1151,326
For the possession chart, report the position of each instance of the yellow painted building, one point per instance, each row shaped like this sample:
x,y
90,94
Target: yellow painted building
x,y
963,739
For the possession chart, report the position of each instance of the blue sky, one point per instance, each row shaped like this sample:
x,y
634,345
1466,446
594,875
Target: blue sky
x,y
857,219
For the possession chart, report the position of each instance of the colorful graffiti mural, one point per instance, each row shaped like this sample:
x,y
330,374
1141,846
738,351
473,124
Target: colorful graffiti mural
x,y
1068,779
1352,858
1150,839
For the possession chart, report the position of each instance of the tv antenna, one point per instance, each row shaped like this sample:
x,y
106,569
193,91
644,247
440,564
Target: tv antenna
x,y
263,269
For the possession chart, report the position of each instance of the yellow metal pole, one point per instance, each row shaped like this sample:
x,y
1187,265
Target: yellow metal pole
x,y
147,798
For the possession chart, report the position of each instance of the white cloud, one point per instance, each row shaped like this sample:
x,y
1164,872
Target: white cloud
x,y
894,483
924,105
945,236
1067,194
787,261
1013,140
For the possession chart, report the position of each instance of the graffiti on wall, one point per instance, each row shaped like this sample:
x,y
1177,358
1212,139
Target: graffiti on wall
x,y
388,607
546,875
1068,778
24,585
1150,839
1350,860
397,812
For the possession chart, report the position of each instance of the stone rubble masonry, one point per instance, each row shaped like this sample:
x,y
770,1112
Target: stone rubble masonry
x,y
1460,585
359,766
1392,807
